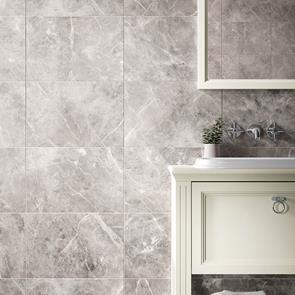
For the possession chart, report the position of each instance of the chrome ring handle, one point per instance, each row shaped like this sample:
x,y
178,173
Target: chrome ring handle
x,y
280,202
276,209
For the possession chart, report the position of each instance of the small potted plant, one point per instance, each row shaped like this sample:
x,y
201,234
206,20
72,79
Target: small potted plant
x,y
212,137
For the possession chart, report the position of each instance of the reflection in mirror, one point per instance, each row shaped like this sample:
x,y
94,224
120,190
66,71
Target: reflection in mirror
x,y
251,39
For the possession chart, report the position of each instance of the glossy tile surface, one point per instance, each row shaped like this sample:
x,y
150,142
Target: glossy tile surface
x,y
147,246
62,49
75,180
12,50
75,114
161,8
147,287
12,113
12,287
74,286
12,174
168,113
272,285
12,255
74,246
263,108
160,48
74,8
147,179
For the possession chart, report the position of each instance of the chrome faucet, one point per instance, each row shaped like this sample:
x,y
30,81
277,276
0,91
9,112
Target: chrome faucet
x,y
254,131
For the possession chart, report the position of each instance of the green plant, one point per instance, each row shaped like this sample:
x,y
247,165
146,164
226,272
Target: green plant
x,y
213,135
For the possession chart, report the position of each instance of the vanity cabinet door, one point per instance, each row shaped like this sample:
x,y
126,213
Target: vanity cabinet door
x,y
236,231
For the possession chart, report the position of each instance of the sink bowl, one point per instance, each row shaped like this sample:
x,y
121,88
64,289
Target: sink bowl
x,y
245,163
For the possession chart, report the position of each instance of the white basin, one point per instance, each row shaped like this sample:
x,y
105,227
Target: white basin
x,y
245,163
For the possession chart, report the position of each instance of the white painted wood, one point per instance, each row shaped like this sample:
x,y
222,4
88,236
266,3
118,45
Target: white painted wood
x,y
235,231
181,238
204,83
257,184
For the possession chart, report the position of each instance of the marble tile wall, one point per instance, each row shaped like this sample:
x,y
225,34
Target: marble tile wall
x,y
98,97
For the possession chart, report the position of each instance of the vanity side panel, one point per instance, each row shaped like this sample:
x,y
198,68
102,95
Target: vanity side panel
x,y
181,238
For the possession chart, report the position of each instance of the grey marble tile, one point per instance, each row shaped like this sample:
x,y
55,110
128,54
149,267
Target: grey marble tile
x,y
147,179
74,287
147,246
12,8
255,66
246,39
75,180
255,39
12,287
12,51
214,10
75,113
246,10
12,113
283,37
79,8
64,48
74,246
232,150
160,8
282,10
261,107
272,285
12,173
147,287
12,256
283,66
168,113
230,66
160,48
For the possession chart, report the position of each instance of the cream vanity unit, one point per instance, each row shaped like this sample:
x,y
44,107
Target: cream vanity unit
x,y
232,216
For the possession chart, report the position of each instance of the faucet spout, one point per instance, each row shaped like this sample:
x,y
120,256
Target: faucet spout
x,y
255,132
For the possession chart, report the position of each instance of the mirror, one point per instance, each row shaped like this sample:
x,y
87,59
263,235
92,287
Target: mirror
x,y
246,44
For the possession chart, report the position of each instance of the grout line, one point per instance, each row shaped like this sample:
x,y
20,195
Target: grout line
x,y
26,196
86,213
87,279
123,174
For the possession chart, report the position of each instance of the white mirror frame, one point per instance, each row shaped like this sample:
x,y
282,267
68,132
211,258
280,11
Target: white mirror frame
x,y
205,83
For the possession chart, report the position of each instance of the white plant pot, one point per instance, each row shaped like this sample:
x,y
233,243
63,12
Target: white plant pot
x,y
210,150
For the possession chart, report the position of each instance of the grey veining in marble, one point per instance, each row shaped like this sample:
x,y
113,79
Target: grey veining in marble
x,y
75,113
75,180
160,48
74,246
272,285
147,287
147,246
147,185
61,48
283,10
12,254
283,66
160,7
12,114
12,287
262,107
74,287
76,8
246,10
12,175
12,49
168,113
257,40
